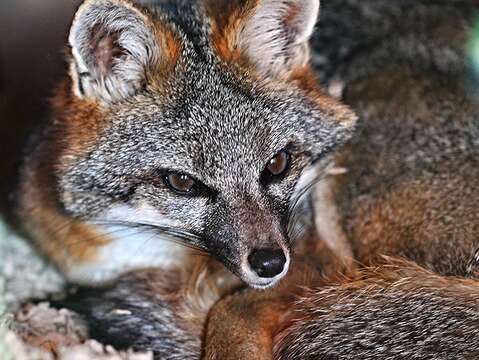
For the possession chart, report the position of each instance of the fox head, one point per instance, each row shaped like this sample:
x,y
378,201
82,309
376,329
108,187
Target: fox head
x,y
194,122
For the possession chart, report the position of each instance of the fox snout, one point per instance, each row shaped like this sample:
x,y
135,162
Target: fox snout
x,y
267,263
263,246
252,244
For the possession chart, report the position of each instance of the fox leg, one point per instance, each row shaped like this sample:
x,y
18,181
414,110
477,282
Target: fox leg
x,y
241,326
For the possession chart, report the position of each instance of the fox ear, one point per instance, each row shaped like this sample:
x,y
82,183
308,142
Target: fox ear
x,y
113,46
272,34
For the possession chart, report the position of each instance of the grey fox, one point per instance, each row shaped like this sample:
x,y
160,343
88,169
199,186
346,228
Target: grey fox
x,y
180,121
219,132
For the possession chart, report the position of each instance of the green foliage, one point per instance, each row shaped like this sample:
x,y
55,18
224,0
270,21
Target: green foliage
x,y
473,49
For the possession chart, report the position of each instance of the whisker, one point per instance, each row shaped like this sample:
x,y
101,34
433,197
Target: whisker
x,y
61,228
178,236
144,242
298,208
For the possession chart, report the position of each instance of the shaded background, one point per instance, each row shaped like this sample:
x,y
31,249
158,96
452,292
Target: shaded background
x,y
33,36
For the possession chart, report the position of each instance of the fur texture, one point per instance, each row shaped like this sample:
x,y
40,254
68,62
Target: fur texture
x,y
393,311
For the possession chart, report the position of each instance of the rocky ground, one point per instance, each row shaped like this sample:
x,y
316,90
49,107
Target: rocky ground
x,y
29,328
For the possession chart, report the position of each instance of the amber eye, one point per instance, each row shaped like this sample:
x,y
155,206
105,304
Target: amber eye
x,y
180,183
278,164
276,167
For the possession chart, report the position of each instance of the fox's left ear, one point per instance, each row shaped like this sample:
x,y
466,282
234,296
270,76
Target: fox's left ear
x,y
115,47
271,34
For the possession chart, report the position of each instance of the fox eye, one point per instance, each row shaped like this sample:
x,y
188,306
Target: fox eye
x,y
180,183
276,167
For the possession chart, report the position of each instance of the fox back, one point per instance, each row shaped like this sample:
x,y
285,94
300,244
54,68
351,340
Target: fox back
x,y
409,188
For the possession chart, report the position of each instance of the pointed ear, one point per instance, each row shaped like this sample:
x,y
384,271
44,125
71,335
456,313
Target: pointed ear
x,y
271,34
114,44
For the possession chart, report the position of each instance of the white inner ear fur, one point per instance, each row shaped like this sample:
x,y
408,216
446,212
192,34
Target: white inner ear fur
x,y
125,28
276,37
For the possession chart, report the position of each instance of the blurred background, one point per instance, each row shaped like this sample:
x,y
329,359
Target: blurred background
x,y
33,36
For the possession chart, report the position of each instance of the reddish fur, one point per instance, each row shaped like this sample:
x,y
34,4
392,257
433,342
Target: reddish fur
x,y
171,47
227,21
79,123
61,238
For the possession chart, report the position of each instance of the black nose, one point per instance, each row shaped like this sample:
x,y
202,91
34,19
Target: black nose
x,y
267,263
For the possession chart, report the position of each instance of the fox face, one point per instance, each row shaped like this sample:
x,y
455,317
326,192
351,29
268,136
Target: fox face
x,y
193,123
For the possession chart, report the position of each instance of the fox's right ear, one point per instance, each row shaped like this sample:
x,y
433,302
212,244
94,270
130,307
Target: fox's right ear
x,y
271,34
114,45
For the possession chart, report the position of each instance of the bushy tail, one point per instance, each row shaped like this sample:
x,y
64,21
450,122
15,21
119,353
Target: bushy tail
x,y
395,311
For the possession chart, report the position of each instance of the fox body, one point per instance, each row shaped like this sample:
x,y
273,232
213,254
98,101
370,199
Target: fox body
x,y
390,270
409,191
224,90
192,122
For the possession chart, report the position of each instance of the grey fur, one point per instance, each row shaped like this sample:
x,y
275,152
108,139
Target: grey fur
x,y
125,316
414,315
